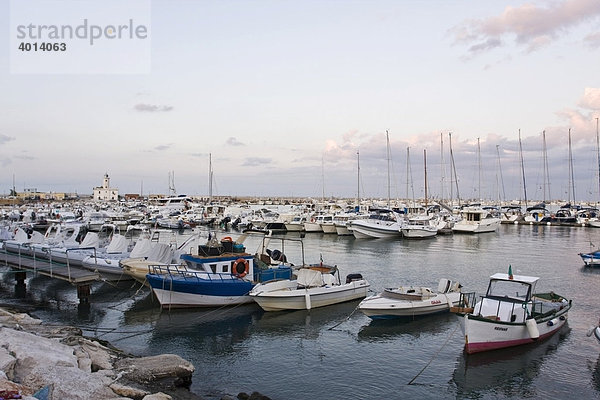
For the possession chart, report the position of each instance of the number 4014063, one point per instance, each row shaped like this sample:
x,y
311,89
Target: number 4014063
x,y
44,46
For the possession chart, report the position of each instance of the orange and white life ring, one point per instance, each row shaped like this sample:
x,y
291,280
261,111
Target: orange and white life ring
x,y
240,267
312,219
227,239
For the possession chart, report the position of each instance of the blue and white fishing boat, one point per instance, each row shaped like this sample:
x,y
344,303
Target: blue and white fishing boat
x,y
221,274
591,259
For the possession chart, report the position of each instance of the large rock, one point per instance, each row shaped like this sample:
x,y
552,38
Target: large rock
x,y
7,362
157,368
44,362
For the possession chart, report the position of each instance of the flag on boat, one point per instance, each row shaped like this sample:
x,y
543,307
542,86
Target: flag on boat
x,y
510,275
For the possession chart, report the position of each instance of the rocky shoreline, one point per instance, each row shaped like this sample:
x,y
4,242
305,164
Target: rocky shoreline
x,y
39,361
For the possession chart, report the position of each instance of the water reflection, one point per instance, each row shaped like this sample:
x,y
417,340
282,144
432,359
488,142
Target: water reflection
x,y
309,324
379,330
509,372
214,330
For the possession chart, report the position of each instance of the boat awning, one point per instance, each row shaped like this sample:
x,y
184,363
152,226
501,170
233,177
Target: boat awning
x,y
518,278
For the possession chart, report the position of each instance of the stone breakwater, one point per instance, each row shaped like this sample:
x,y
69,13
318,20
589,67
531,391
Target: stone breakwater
x,y
39,361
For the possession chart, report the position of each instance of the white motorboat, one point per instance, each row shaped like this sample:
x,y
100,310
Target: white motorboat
x,y
411,301
296,224
314,224
510,314
382,223
315,286
327,224
476,219
419,227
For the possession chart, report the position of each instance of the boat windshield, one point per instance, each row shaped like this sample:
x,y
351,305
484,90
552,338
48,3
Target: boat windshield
x,y
512,289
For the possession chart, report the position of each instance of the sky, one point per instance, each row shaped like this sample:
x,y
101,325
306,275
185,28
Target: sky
x,y
283,95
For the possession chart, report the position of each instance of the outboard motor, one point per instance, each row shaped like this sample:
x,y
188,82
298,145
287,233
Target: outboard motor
x,y
277,255
353,277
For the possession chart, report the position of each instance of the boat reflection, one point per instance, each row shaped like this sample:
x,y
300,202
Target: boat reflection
x,y
507,372
387,329
208,331
596,376
305,323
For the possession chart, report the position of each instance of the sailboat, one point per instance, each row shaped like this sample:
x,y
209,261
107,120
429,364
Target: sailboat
x,y
595,222
475,218
382,223
420,226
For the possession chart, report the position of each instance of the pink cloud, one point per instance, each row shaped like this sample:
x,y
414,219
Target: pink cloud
x,y
591,99
532,26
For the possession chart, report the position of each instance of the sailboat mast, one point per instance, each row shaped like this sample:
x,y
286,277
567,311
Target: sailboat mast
x,y
522,169
425,166
479,168
451,175
454,169
501,183
598,154
571,175
408,174
387,138
442,169
210,177
546,174
323,177
358,179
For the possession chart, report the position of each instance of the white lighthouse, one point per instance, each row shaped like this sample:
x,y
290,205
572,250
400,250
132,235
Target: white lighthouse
x,y
105,192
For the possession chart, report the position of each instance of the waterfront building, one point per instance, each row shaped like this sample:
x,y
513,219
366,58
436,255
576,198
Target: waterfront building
x,y
105,192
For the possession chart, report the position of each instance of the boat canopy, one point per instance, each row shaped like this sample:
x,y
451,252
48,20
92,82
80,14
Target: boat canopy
x,y
520,288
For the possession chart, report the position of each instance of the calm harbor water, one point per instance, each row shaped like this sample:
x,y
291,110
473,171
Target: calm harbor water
x,y
338,353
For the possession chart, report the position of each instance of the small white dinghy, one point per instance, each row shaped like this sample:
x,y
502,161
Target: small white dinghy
x,y
595,330
315,286
411,301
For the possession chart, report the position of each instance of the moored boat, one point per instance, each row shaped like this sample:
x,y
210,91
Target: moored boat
x,y
315,286
411,301
591,259
216,276
510,314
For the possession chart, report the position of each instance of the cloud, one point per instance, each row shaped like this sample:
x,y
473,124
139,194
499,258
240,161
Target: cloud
x,y
234,142
151,108
25,157
163,147
593,40
256,161
5,139
590,99
5,161
531,26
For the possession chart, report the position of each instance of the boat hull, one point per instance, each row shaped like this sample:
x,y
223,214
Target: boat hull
x,y
590,259
381,307
483,227
179,292
306,299
484,335
375,231
418,233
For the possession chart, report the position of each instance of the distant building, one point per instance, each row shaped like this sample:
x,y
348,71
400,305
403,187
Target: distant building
x,y
34,194
105,192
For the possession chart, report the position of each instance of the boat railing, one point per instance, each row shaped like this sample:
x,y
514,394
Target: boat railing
x,y
507,309
180,271
466,303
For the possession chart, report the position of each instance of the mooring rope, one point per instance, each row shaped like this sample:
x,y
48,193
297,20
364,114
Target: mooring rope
x,y
347,319
434,356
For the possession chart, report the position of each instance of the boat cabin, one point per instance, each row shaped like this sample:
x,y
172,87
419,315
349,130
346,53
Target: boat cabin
x,y
505,298
232,264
